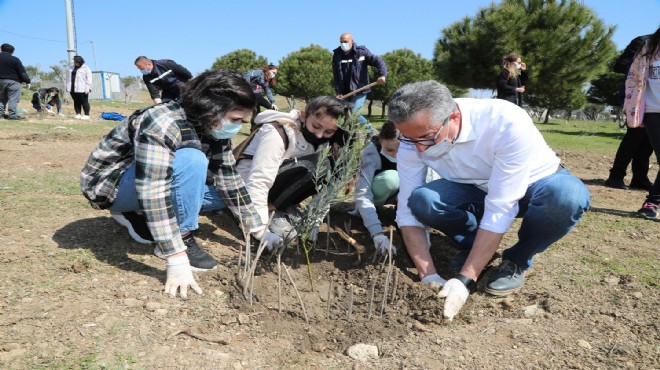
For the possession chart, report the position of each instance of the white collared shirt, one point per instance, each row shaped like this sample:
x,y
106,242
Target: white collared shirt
x,y
498,149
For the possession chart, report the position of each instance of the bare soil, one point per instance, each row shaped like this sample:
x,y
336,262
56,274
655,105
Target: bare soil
x,y
77,292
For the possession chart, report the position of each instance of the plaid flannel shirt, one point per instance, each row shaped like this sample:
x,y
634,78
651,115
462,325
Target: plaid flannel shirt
x,y
149,139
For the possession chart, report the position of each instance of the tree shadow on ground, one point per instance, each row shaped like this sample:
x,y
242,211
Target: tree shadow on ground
x,y
611,135
109,242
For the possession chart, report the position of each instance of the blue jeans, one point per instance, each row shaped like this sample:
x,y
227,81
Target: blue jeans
x,y
549,209
358,101
189,192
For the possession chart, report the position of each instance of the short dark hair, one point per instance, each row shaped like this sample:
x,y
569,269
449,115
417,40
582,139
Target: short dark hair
x,y
215,93
7,48
327,106
388,131
140,59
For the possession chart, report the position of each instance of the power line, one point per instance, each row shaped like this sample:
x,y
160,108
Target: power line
x,y
30,37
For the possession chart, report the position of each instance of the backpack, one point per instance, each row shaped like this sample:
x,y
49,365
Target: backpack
x,y
240,148
112,116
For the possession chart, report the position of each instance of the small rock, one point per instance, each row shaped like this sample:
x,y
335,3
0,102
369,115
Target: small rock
x,y
507,303
161,311
584,344
132,302
638,295
10,347
530,311
362,352
243,319
612,280
420,327
152,306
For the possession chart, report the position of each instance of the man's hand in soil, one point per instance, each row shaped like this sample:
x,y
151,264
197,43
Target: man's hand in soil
x,y
179,276
455,294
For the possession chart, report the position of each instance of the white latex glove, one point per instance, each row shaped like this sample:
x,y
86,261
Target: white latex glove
x,y
274,107
382,244
314,234
455,294
435,281
179,277
271,240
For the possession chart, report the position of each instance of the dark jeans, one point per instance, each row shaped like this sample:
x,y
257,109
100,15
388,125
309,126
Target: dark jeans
x,y
636,147
294,182
652,125
80,100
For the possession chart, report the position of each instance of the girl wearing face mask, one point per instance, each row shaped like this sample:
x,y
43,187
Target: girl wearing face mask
x,y
512,79
262,80
377,183
79,85
279,162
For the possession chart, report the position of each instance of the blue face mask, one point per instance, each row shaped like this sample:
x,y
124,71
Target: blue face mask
x,y
227,131
145,71
391,159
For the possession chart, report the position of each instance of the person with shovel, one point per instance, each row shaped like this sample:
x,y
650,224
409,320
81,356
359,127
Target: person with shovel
x,y
351,75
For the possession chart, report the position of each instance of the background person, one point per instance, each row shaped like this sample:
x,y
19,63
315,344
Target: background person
x,y
642,108
163,78
12,74
261,81
635,146
151,170
495,166
79,85
512,79
50,97
350,72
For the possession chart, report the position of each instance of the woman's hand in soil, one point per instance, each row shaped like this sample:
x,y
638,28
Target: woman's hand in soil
x,y
179,277
455,294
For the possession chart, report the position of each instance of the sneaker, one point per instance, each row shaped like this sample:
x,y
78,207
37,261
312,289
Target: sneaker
x,y
506,279
15,118
615,183
85,118
646,185
649,211
136,225
200,260
77,116
281,226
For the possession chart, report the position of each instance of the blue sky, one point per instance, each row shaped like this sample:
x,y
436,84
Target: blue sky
x,y
196,32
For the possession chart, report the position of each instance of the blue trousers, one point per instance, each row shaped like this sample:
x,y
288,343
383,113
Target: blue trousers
x,y
550,209
189,192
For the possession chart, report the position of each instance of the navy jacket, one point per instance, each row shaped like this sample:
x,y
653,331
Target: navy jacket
x,y
11,68
350,71
169,83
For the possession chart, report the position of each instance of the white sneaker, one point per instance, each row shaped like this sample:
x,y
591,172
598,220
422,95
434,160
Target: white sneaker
x,y
86,118
77,116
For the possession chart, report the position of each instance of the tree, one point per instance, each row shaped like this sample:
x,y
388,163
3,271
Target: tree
x,y
563,42
241,60
606,88
403,66
306,73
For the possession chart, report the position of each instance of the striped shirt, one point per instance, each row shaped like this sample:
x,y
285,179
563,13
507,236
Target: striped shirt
x,y
149,139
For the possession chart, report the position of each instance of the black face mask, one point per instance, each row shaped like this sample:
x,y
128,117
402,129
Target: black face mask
x,y
311,138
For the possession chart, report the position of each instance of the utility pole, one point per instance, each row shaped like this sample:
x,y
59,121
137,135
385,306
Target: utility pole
x,y
70,31
96,68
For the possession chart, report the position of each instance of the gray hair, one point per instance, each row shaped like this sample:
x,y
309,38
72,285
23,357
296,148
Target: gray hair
x,y
421,96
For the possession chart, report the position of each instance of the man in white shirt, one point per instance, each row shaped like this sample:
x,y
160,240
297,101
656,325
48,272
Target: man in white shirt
x,y
495,166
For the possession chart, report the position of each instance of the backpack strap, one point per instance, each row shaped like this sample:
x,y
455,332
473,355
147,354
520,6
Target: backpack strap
x,y
240,148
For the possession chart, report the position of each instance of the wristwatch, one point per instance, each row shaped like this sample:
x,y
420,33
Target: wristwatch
x,y
469,283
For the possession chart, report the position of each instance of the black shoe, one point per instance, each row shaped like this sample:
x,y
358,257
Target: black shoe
x,y
641,185
200,260
615,183
136,225
15,118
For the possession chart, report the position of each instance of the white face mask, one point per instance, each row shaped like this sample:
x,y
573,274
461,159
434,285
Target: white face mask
x,y
389,158
345,46
440,149
518,65
272,74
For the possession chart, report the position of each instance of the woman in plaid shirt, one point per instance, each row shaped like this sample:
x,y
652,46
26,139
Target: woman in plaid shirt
x,y
151,172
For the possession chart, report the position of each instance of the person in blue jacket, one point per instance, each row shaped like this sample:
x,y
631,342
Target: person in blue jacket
x,y
350,72
163,78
